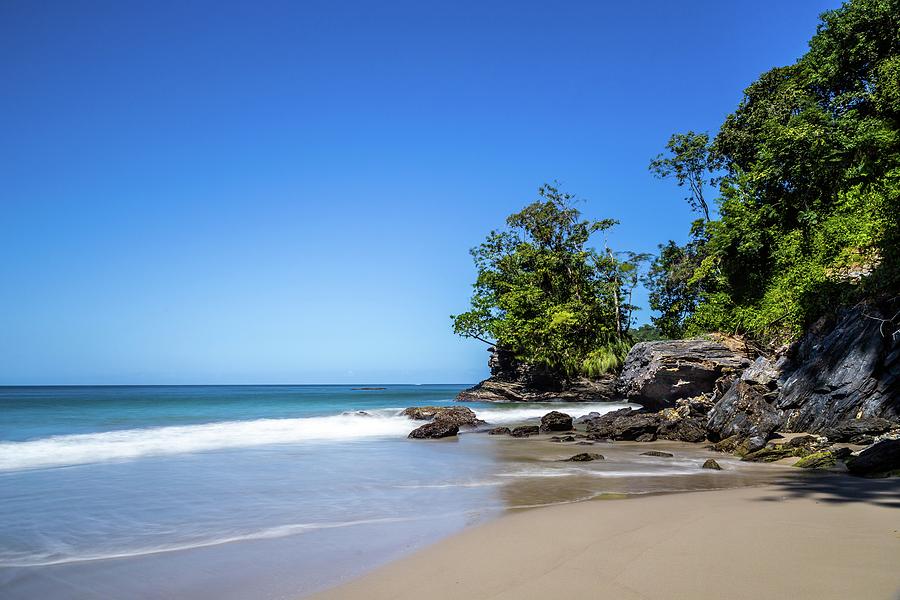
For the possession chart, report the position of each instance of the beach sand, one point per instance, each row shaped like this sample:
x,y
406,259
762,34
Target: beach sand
x,y
807,536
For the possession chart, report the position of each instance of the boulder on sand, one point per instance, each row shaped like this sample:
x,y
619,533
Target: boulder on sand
x,y
880,459
433,430
556,421
525,431
585,457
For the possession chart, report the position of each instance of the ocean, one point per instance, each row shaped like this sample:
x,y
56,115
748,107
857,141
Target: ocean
x,y
267,491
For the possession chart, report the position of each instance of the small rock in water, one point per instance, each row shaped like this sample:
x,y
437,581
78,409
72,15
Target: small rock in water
x,y
711,464
583,443
525,431
556,421
435,429
657,453
585,457
499,431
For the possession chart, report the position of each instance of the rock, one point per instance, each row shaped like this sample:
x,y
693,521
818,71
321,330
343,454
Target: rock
x,y
799,446
356,413
499,431
711,464
587,418
512,380
458,415
810,443
657,453
879,459
747,409
729,444
621,425
565,438
603,420
525,431
858,431
585,457
750,444
584,443
844,370
656,374
769,454
435,429
817,460
556,421
682,430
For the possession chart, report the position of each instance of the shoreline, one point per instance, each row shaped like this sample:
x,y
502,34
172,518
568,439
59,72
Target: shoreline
x,y
806,536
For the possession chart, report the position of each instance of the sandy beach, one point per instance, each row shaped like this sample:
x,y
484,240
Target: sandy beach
x,y
815,537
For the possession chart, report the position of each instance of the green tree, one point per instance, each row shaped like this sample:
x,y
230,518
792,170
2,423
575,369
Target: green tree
x,y
692,163
809,184
543,294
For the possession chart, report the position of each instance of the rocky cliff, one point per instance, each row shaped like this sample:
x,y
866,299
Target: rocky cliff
x,y
842,380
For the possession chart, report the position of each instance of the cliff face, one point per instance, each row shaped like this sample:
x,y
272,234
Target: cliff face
x,y
511,380
842,380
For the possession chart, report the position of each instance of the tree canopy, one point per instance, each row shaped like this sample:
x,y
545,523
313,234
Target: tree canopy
x,y
545,295
809,189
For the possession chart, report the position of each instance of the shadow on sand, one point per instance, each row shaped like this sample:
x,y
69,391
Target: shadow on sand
x,y
840,489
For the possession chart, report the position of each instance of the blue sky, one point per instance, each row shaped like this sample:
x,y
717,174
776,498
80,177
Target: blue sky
x,y
205,192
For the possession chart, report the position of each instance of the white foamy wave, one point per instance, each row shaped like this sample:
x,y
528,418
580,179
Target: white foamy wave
x,y
68,450
536,411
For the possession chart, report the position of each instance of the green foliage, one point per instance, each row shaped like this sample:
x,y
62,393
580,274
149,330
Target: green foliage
x,y
607,359
544,294
810,192
647,333
691,162
674,291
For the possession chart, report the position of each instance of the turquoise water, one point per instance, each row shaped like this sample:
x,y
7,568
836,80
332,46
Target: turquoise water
x,y
214,491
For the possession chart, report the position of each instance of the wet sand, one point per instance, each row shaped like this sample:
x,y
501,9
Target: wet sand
x,y
813,536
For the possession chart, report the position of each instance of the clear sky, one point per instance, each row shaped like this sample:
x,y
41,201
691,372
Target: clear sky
x,y
286,192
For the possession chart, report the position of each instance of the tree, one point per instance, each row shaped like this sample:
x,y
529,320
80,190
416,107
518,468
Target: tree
x,y
691,162
673,282
808,167
543,294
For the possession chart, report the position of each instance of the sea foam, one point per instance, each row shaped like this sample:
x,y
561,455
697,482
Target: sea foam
x,y
77,449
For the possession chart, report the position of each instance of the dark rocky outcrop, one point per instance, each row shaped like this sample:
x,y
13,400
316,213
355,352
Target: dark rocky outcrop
x,y
656,374
512,380
525,431
565,438
500,431
842,379
658,453
880,459
858,431
461,416
748,407
585,457
689,429
434,429
843,370
556,421
624,424
711,464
